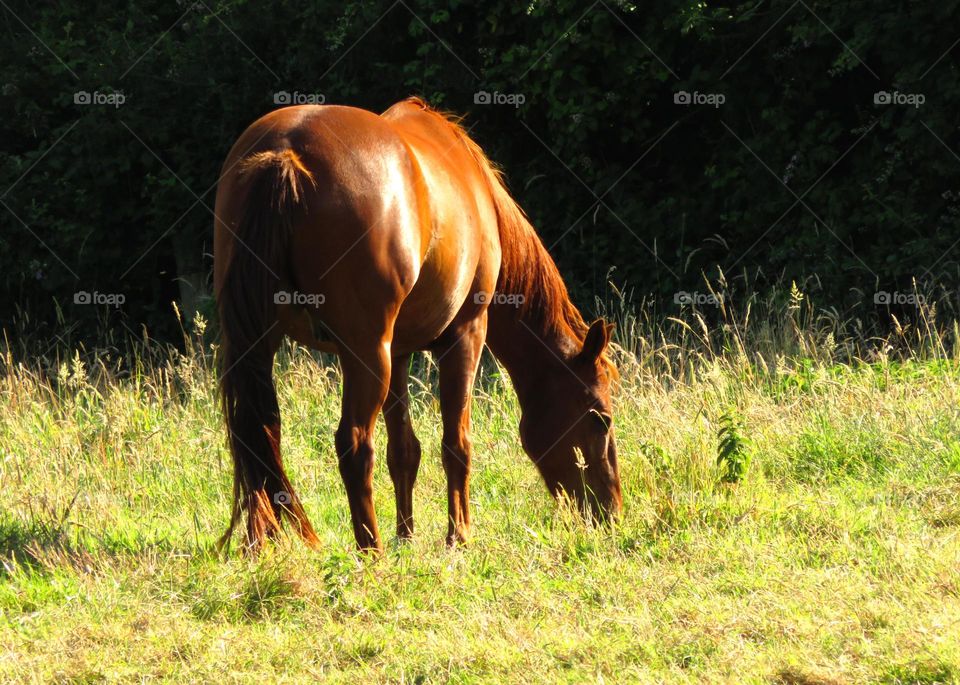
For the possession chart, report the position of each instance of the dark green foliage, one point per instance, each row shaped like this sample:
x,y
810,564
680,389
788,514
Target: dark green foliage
x,y
107,197
733,459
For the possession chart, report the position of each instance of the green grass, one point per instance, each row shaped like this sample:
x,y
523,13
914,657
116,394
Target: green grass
x,y
834,558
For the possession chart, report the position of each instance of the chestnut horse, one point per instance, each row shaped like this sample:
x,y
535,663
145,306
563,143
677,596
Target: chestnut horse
x,y
373,237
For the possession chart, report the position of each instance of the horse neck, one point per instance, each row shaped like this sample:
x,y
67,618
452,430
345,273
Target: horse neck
x,y
536,336
528,348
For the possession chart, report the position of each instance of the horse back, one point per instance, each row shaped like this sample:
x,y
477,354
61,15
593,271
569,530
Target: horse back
x,y
394,227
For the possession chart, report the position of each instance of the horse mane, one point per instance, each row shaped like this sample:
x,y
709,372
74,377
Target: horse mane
x,y
527,268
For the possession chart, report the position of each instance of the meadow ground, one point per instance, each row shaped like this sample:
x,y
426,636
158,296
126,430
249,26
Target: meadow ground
x,y
834,559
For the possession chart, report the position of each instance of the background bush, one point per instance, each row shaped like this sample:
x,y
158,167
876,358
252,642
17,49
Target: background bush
x,y
612,171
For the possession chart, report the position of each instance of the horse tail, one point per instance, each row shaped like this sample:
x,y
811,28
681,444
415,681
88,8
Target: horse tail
x,y
273,182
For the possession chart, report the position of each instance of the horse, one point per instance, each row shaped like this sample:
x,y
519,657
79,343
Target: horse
x,y
373,237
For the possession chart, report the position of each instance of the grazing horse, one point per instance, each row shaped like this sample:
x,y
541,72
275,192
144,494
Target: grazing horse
x,y
373,237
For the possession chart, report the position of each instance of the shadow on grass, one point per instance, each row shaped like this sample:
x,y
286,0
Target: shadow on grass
x,y
41,563
40,545
920,673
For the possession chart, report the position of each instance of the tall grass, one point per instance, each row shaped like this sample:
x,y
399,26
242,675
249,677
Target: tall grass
x,y
792,495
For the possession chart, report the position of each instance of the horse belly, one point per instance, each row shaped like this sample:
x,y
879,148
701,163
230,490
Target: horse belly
x,y
445,283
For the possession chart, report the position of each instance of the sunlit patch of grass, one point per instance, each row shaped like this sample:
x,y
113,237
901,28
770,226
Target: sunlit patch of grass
x,y
828,554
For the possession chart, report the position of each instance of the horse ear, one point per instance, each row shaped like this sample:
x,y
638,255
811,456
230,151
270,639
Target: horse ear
x,y
598,337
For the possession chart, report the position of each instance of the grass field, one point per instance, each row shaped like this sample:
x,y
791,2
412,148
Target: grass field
x,y
835,559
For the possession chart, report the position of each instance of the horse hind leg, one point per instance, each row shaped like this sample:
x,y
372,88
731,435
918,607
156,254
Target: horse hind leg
x,y
366,379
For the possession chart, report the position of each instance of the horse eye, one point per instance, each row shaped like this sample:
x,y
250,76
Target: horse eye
x,y
603,418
